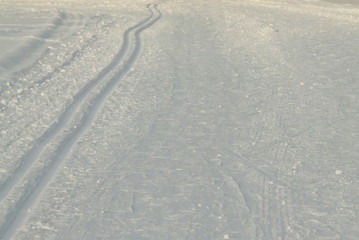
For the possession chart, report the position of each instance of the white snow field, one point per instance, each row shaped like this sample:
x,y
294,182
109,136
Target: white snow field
x,y
179,119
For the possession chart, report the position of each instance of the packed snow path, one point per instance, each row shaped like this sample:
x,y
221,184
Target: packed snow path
x,y
179,120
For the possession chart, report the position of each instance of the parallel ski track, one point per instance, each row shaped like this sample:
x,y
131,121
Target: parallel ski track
x,y
16,217
29,158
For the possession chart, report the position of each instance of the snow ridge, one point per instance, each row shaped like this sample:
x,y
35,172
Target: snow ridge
x,y
11,62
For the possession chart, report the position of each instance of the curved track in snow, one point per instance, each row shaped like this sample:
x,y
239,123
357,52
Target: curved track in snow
x,y
202,120
111,75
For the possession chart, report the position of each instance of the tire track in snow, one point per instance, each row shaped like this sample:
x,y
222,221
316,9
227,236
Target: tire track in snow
x,y
16,217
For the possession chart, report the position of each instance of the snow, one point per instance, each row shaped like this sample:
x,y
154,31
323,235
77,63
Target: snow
x,y
179,119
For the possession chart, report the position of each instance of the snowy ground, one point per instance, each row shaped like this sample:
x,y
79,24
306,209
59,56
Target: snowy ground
x,y
179,119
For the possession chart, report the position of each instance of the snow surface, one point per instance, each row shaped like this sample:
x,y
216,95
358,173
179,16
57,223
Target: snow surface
x,y
179,119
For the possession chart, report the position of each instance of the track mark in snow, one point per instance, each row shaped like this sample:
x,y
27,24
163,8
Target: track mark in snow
x,y
29,158
242,194
15,218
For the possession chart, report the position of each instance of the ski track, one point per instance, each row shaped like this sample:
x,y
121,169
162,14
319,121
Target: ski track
x,y
261,207
29,158
16,217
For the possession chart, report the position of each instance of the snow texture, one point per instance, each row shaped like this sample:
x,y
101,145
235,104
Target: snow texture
x,y
179,119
